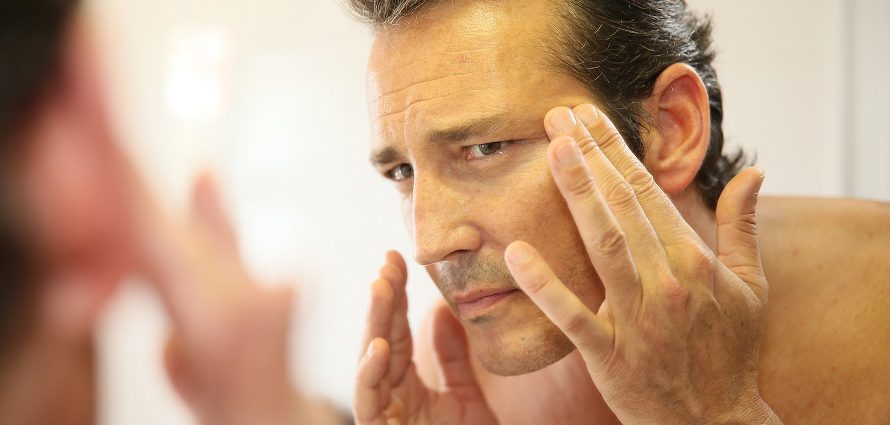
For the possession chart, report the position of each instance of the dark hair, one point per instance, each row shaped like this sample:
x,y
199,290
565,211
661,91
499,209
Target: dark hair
x,y
31,32
618,49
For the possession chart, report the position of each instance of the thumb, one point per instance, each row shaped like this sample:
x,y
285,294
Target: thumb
x,y
453,353
738,245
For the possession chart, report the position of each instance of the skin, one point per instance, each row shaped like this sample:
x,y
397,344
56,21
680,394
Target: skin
x,y
807,366
93,222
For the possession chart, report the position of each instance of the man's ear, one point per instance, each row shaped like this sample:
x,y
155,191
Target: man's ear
x,y
681,126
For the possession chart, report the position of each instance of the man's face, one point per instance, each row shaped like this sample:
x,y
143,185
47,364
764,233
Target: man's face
x,y
457,101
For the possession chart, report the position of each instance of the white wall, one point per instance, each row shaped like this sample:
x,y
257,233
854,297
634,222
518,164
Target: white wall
x,y
274,103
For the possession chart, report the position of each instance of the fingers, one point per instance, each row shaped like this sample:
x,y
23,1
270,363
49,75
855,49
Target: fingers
x,y
453,354
400,340
207,209
738,245
195,264
611,222
177,370
387,340
371,395
591,334
379,322
668,223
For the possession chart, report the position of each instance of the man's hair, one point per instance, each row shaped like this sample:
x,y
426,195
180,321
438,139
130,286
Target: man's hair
x,y
618,49
31,33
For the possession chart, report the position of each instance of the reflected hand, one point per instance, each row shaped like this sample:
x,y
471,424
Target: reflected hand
x,y
677,338
228,355
388,388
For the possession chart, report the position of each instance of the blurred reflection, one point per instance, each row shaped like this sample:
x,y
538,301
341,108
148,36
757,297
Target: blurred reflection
x,y
75,219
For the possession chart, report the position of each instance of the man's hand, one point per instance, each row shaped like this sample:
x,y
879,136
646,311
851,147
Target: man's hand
x,y
388,390
676,340
227,356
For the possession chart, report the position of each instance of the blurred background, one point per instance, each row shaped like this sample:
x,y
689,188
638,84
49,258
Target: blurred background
x,y
269,95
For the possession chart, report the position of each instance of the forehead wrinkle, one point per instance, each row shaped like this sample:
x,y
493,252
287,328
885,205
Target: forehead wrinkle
x,y
463,61
441,87
415,102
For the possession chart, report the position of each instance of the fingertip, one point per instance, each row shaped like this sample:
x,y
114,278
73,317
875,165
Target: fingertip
x,y
393,275
742,192
286,294
559,121
761,177
587,114
381,291
564,154
204,192
555,110
519,253
395,258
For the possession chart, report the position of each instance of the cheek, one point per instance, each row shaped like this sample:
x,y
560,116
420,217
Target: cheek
x,y
532,210
543,219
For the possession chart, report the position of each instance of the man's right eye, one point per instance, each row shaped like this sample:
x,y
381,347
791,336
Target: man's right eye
x,y
401,172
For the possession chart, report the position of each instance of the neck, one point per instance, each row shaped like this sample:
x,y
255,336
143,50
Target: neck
x,y
700,217
48,379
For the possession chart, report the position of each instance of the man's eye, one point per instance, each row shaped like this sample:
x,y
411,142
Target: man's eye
x,y
486,149
401,172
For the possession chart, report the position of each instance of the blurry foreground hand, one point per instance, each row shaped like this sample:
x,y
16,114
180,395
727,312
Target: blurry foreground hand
x,y
227,355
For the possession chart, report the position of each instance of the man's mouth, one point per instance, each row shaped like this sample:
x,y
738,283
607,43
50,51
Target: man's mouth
x,y
475,303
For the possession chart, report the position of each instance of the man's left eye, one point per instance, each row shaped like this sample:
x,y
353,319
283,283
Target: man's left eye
x,y
486,149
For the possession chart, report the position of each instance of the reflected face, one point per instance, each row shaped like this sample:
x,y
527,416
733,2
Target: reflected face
x,y
457,99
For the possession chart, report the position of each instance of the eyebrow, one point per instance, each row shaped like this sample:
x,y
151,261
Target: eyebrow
x,y
455,134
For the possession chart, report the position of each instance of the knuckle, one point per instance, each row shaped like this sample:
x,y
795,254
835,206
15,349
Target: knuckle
x,y
620,195
574,323
609,138
675,294
611,243
588,146
698,262
643,183
580,184
746,224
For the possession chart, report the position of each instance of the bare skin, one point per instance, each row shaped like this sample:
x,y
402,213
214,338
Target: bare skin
x,y
457,98
824,342
93,222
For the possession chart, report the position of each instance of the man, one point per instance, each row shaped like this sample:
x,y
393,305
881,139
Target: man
x,y
74,219
582,285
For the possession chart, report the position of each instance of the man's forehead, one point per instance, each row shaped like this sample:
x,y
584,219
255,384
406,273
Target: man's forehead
x,y
435,78
458,55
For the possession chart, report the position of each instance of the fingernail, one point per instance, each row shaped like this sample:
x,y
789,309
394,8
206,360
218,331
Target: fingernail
x,y
563,120
587,114
370,350
519,254
568,154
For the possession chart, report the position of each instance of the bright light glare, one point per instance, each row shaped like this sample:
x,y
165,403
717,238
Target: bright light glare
x,y
196,71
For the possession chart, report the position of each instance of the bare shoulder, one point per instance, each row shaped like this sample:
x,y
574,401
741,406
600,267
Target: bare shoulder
x,y
810,219
825,344
825,237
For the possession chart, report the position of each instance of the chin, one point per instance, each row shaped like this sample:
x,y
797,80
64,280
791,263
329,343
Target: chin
x,y
508,346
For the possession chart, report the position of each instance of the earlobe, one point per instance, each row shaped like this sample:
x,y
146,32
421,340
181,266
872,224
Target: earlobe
x,y
680,135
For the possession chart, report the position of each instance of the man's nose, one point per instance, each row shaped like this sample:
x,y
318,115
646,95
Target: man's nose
x,y
442,224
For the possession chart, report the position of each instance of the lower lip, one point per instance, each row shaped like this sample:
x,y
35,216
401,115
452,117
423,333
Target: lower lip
x,y
480,306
